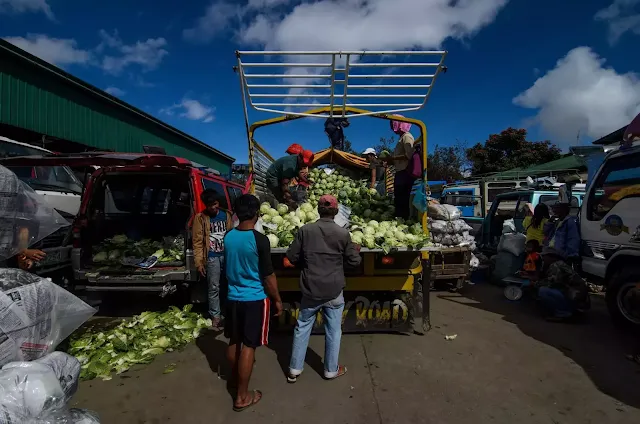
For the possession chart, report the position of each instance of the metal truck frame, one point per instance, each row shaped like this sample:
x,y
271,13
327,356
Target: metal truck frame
x,y
386,292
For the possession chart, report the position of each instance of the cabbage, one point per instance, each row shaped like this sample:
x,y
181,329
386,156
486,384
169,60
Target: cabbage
x,y
273,240
264,208
282,209
277,220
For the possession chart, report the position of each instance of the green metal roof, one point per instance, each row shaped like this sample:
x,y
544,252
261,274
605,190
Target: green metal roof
x,y
40,97
568,162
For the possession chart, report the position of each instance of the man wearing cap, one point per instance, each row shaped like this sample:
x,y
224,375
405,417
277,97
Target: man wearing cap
x,y
562,233
321,250
377,170
561,292
283,170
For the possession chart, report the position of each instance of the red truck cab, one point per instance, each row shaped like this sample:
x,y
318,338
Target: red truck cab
x,y
143,196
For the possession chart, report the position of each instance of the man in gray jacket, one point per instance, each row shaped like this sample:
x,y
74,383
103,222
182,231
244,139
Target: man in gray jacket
x,y
321,250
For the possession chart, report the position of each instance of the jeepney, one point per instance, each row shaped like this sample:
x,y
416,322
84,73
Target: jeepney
x,y
385,293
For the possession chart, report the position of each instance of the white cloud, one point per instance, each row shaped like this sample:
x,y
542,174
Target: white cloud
x,y
147,54
621,16
581,95
214,21
222,15
371,24
115,91
57,51
26,6
192,110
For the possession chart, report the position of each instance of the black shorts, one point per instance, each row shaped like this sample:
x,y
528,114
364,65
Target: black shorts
x,y
247,322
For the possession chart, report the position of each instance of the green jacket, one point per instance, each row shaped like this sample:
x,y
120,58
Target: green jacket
x,y
285,167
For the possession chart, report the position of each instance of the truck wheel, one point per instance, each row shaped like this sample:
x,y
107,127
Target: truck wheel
x,y
623,298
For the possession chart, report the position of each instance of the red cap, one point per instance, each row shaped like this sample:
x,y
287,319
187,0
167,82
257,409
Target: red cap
x,y
328,200
307,157
294,149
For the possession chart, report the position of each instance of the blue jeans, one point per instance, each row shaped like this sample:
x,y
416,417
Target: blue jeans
x,y
555,302
332,319
214,271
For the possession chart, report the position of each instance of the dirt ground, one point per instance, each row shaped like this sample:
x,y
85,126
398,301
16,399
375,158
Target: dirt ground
x,y
506,365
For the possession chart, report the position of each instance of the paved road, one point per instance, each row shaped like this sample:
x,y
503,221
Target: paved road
x,y
505,366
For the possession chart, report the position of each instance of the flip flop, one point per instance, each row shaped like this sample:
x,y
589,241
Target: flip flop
x,y
252,403
634,358
342,370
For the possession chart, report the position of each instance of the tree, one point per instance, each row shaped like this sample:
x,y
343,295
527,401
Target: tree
x,y
446,163
509,149
347,147
385,143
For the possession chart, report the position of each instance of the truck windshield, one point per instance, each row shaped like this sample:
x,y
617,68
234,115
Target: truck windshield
x,y
49,178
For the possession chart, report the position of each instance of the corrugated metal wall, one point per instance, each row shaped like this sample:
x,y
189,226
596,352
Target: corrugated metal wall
x,y
37,100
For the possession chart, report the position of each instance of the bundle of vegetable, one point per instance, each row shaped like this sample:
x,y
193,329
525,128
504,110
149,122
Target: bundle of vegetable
x,y
135,341
372,216
112,250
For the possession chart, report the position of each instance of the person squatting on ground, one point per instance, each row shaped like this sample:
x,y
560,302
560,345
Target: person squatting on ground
x,y
209,228
252,285
561,292
321,250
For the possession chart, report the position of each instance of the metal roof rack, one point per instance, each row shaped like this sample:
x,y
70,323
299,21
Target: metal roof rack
x,y
315,79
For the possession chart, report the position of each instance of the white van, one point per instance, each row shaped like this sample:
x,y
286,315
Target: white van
x,y
610,230
58,184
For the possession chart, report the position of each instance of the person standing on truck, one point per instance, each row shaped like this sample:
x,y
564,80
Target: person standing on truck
x,y
209,228
377,170
252,284
562,233
535,222
334,128
401,159
321,249
283,170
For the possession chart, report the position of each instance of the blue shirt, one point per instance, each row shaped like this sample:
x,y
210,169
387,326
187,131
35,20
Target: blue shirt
x,y
247,257
218,228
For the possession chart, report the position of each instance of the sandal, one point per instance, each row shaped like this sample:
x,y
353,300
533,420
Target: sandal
x,y
256,397
342,370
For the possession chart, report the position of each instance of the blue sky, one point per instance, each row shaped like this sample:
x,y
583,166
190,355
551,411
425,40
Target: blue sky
x,y
559,68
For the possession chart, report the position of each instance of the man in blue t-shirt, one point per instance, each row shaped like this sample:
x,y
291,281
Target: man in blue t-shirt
x,y
209,228
252,283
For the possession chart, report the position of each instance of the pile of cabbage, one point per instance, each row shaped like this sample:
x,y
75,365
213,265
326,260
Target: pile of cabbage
x,y
135,341
113,250
372,221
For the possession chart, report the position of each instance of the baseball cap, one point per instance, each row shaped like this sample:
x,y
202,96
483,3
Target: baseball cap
x,y
370,151
328,200
307,157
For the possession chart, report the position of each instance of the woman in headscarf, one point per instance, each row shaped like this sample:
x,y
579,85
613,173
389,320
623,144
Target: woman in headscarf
x,y
401,159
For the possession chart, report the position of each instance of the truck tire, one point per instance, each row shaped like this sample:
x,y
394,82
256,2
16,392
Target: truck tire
x,y
623,298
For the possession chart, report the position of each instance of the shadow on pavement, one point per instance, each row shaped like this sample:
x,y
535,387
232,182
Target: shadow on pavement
x,y
215,352
281,345
595,345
